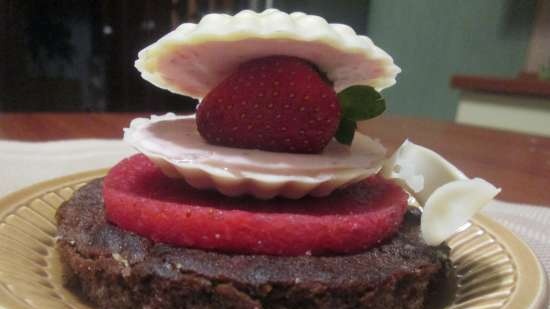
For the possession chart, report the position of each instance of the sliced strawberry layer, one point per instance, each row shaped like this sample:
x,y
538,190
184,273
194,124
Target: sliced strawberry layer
x,y
139,198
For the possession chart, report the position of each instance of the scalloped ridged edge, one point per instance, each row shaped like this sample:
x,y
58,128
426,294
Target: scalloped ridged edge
x,y
260,185
256,184
268,25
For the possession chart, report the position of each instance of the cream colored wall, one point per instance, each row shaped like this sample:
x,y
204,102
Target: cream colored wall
x,y
538,53
516,113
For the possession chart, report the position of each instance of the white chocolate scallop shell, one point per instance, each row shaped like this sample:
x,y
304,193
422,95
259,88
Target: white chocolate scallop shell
x,y
194,58
175,145
448,197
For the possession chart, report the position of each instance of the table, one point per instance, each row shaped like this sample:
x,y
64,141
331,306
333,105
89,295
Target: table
x,y
518,163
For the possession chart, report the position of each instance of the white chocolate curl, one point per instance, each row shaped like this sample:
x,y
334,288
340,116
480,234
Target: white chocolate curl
x,y
194,58
449,198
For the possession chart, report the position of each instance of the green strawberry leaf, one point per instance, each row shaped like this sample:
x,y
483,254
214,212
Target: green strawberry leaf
x,y
346,131
357,103
361,103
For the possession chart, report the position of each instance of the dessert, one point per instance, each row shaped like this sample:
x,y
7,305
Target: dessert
x,y
117,269
267,197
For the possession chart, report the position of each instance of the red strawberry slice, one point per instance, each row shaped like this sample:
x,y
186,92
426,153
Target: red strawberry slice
x,y
140,198
277,103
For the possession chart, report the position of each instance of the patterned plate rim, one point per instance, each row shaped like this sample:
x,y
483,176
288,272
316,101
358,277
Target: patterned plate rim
x,y
530,291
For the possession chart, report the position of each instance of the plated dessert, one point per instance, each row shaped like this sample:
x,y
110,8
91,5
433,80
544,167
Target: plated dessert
x,y
267,197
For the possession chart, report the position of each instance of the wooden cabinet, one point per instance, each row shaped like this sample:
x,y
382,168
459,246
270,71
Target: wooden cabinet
x,y
521,104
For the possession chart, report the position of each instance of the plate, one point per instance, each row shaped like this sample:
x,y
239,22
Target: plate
x,y
495,269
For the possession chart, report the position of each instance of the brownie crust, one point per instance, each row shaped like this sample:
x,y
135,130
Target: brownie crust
x,y
118,269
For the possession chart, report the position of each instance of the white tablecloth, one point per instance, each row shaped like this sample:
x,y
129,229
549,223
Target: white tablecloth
x,y
22,164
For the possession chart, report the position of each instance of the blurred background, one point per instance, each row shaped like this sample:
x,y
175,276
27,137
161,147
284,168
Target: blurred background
x,y
478,62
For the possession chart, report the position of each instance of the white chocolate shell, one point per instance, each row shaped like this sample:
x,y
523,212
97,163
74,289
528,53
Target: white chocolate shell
x,y
420,170
175,145
194,58
448,198
451,205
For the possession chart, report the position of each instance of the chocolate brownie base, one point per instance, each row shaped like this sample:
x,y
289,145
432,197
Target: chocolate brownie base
x,y
118,269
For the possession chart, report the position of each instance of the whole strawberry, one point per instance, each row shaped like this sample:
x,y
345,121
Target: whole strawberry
x,y
277,103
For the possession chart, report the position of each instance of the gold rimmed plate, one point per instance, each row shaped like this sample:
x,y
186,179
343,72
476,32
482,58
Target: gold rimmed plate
x,y
495,269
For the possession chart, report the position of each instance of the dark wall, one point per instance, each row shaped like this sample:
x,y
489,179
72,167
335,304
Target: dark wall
x,y
69,55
